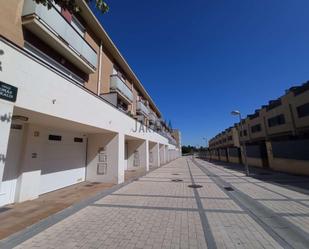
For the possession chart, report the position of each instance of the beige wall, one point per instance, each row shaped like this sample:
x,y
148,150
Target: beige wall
x,y
253,122
92,83
107,70
234,159
282,109
245,127
296,101
258,162
286,165
134,101
10,21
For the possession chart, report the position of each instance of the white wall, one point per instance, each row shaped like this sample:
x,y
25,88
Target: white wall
x,y
155,151
42,91
138,154
49,165
6,112
105,149
39,86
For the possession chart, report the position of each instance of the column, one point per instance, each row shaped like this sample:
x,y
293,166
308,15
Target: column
x,y
156,155
144,154
105,158
6,112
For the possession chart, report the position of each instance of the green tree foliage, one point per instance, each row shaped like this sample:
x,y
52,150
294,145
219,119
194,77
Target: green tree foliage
x,y
191,149
71,5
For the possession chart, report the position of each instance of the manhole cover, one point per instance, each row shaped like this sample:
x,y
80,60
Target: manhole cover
x,y
195,186
228,189
177,180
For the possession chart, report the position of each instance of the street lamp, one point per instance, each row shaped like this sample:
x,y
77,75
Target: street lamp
x,y
242,144
204,138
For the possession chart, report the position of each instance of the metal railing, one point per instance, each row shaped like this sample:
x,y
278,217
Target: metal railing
x,y
142,108
53,19
117,84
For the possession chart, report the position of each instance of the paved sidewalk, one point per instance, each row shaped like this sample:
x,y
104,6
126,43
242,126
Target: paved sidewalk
x,y
158,212
18,216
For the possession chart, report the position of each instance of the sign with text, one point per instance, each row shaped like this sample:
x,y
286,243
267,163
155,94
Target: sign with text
x,y
8,92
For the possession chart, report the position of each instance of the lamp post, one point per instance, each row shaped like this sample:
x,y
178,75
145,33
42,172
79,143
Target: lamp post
x,y
204,138
242,144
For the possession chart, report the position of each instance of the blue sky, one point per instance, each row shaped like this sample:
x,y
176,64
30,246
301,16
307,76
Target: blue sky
x,y
200,59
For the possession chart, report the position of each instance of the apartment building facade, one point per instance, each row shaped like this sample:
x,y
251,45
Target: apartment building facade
x,y
276,135
71,107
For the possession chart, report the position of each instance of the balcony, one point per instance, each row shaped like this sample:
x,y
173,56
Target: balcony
x,y
142,108
117,85
51,27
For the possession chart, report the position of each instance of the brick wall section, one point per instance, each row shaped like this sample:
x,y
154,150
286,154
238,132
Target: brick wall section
x,y
10,21
92,83
107,70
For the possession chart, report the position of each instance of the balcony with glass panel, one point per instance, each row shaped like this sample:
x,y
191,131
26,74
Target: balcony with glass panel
x,y
118,85
52,28
142,108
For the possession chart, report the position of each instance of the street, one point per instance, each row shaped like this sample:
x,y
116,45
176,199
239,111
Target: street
x,y
160,210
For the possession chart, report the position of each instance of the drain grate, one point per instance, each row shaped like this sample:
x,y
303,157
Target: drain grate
x,y
195,186
177,180
228,188
176,174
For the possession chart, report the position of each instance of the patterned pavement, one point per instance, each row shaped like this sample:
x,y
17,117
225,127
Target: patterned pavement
x,y
158,212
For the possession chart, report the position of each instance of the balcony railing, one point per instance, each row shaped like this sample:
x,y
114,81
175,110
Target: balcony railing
x,y
152,117
142,108
118,85
58,25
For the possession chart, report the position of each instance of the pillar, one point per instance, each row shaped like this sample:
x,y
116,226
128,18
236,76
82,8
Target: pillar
x,y
105,158
6,112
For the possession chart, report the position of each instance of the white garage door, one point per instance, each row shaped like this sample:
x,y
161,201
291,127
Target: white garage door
x,y
63,160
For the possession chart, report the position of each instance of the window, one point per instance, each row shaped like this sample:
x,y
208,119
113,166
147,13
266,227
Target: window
x,y
243,133
303,110
78,140
54,137
230,138
256,128
277,120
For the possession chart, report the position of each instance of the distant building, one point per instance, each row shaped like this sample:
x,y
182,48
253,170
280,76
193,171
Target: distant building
x,y
276,135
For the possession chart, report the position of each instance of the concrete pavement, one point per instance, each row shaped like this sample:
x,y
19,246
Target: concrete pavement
x,y
229,210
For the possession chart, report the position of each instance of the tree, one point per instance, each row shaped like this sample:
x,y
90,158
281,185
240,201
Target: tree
x,y
71,5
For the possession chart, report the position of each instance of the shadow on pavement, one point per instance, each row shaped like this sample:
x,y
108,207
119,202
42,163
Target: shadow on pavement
x,y
292,181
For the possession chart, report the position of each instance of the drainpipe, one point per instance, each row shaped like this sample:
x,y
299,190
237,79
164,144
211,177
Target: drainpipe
x,y
99,66
294,131
266,131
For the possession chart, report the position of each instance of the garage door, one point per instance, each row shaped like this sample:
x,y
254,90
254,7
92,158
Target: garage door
x,y
63,160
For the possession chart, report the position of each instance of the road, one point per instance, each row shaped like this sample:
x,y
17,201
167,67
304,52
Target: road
x,y
160,210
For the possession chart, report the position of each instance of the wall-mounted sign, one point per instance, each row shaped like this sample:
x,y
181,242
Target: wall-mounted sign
x,y
102,168
8,92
